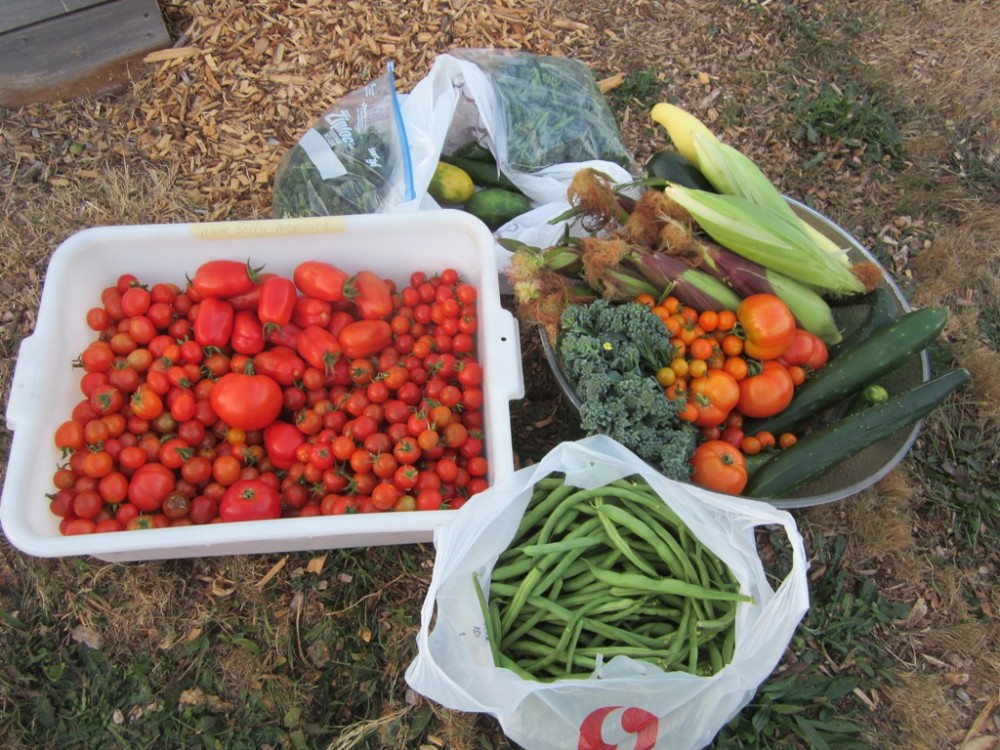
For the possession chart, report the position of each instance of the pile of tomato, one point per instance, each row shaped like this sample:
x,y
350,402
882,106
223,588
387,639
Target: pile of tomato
x,y
246,395
731,365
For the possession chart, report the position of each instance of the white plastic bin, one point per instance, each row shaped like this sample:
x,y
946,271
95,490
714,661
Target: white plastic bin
x,y
46,387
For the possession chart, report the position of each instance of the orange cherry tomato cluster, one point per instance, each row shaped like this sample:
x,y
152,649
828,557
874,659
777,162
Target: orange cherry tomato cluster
x,y
730,366
247,396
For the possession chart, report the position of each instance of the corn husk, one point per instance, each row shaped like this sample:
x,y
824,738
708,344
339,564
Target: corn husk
x,y
694,288
767,238
811,311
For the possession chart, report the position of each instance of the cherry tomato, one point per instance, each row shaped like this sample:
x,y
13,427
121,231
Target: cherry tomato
x,y
719,466
149,485
250,500
768,324
249,402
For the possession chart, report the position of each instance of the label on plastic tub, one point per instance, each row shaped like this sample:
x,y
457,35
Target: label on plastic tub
x,y
233,230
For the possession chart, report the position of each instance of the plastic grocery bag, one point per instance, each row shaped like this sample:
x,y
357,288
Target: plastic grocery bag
x,y
625,703
352,160
543,119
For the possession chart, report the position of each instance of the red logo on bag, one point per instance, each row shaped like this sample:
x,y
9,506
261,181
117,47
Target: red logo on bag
x,y
634,720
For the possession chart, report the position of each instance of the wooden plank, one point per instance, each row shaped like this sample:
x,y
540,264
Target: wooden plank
x,y
80,53
16,14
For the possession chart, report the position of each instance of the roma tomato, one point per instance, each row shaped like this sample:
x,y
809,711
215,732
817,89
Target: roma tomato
x,y
248,333
249,402
280,363
766,393
370,294
719,466
363,338
320,280
318,347
277,302
149,485
768,324
807,350
250,500
223,278
213,324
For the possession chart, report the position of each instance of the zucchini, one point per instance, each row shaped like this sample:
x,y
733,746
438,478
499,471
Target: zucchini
x,y
819,451
496,206
883,308
473,150
451,184
674,167
867,361
483,174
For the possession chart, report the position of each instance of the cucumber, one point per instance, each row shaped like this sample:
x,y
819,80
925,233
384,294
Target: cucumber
x,y
672,166
882,309
819,451
473,150
880,353
496,206
451,184
483,174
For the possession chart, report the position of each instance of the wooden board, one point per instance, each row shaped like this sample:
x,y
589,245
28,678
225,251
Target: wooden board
x,y
61,49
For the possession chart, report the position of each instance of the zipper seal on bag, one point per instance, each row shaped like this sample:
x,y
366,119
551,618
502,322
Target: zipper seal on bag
x,y
410,192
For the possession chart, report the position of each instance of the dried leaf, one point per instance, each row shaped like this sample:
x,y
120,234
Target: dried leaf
x,y
88,636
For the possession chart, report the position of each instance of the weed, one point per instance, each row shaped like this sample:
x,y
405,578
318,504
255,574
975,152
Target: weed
x,y
855,115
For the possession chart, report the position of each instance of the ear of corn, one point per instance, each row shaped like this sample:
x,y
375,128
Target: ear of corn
x,y
681,127
673,275
811,311
764,237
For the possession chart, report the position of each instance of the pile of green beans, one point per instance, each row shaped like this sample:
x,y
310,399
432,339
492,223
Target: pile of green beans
x,y
593,574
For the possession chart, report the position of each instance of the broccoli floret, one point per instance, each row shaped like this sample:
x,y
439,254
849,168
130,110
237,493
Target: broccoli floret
x,y
609,353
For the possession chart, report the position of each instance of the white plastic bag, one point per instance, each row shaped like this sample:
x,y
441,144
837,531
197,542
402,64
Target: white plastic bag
x,y
626,703
458,102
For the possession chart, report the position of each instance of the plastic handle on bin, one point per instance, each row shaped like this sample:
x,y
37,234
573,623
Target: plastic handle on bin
x,y
509,336
23,398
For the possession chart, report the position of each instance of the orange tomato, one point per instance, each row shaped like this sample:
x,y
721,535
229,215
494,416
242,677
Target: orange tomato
x,y
768,324
719,466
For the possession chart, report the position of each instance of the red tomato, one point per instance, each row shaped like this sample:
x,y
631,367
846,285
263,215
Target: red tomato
x,y
249,402
768,324
310,311
213,325
248,334
370,294
223,278
807,350
766,393
149,485
719,466
320,280
250,500
277,302
318,347
282,364
715,394
363,338
281,442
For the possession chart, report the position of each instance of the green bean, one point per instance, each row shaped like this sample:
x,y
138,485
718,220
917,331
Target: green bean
x,y
620,635
637,582
542,504
715,657
677,643
729,645
494,647
620,544
693,646
727,619
578,574
645,532
563,545
507,663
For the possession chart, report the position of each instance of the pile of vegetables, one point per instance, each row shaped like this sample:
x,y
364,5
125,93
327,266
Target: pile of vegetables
x,y
594,574
745,290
